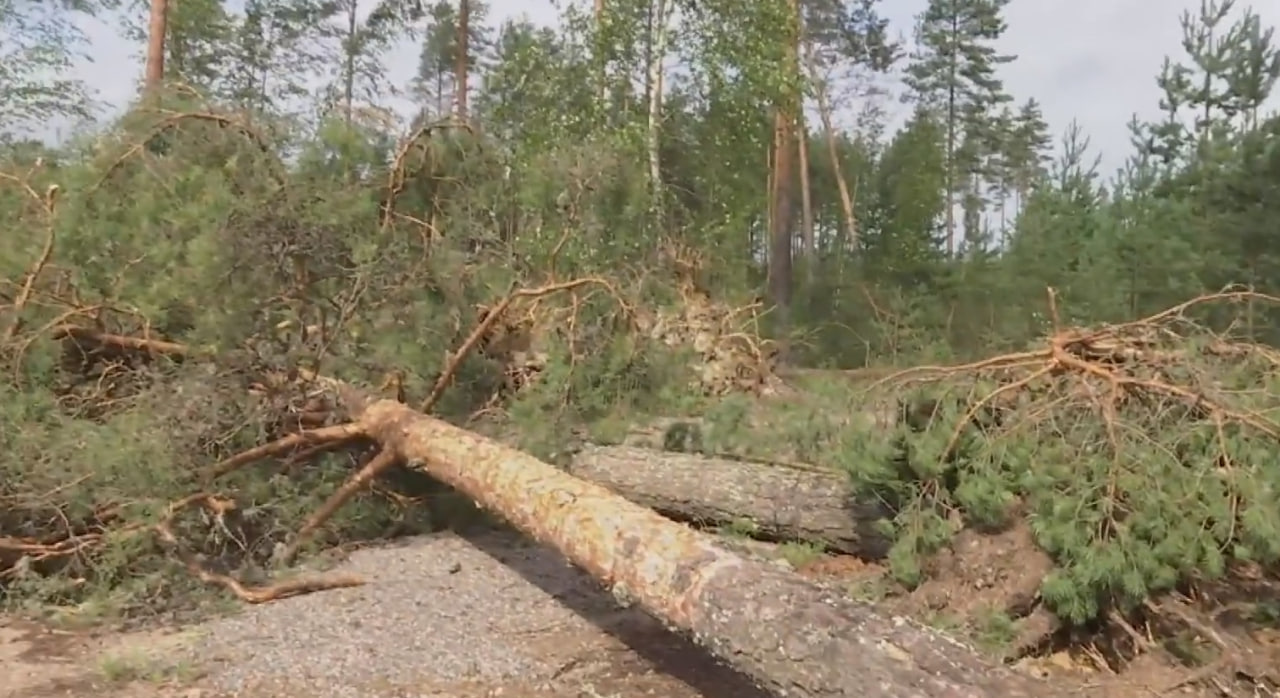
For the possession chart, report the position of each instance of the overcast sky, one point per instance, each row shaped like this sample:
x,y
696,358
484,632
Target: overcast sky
x,y
1091,60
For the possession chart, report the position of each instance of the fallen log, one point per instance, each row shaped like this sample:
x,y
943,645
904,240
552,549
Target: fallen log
x,y
782,502
788,635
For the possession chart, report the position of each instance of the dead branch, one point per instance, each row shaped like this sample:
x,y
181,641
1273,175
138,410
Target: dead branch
x,y
397,176
155,347
491,318
375,467
47,207
328,437
255,595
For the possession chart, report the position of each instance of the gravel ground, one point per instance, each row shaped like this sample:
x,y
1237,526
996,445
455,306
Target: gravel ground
x,y
443,615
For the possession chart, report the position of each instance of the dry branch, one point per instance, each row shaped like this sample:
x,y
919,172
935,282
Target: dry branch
x,y
315,438
143,344
172,119
491,318
375,467
271,592
789,635
781,502
47,206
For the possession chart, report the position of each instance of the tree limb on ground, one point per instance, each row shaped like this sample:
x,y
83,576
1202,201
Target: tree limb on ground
x,y
776,501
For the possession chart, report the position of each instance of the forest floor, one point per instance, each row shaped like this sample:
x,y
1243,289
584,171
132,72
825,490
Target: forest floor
x,y
443,615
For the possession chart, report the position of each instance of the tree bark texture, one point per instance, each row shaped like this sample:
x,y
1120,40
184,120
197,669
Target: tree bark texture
x,y
463,59
783,502
157,28
787,634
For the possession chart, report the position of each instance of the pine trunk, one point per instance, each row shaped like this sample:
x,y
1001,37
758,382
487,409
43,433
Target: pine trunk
x,y
157,28
780,502
788,635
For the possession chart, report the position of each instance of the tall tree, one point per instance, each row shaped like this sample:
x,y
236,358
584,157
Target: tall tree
x,y
1027,151
462,61
274,52
837,34
363,45
1255,69
1210,50
786,110
953,69
441,56
660,11
902,242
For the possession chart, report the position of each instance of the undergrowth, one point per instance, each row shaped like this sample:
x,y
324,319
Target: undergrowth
x,y
1139,455
165,286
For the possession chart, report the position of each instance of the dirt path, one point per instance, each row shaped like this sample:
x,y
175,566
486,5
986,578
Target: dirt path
x,y
444,615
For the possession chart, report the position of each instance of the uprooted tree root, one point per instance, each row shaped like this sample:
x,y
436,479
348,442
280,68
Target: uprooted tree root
x,y
1140,454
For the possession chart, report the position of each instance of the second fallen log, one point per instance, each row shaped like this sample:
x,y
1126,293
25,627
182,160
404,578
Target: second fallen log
x,y
787,634
781,502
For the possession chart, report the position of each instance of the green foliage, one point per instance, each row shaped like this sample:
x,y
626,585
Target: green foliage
x,y
274,197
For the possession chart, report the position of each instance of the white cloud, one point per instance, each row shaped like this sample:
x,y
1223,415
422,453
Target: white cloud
x,y
1091,60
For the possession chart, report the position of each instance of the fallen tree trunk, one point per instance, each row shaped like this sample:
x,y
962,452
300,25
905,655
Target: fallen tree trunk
x,y
781,502
789,635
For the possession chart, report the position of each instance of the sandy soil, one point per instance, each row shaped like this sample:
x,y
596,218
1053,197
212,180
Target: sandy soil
x,y
441,616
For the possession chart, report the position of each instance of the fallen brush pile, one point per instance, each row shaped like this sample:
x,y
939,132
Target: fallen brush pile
x,y
299,418
1139,455
1142,457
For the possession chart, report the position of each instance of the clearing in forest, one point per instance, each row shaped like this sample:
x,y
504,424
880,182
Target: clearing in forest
x,y
1094,513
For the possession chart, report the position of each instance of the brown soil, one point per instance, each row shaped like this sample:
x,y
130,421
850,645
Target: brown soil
x,y
980,576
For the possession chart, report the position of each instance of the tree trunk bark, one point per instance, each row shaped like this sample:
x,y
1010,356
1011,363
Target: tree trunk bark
x,y
602,70
349,66
824,112
802,142
462,61
157,28
780,227
658,40
782,193
806,197
779,502
789,635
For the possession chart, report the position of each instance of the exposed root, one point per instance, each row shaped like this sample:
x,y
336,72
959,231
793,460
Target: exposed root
x,y
1139,452
1107,362
731,356
218,507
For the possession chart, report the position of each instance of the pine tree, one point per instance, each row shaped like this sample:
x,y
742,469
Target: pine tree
x,y
434,84
1255,67
1027,151
902,239
435,61
953,71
